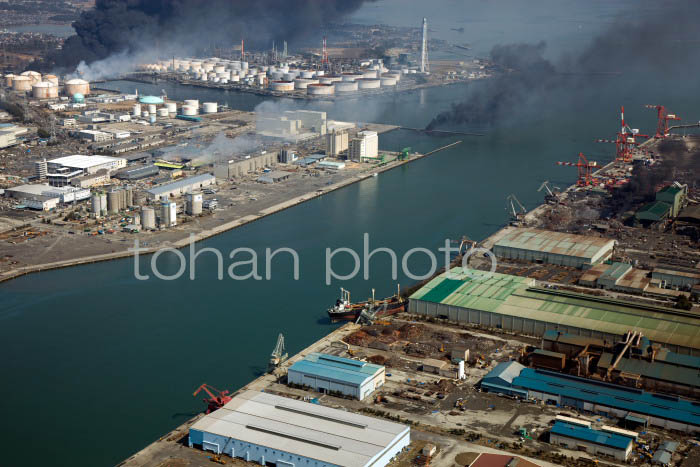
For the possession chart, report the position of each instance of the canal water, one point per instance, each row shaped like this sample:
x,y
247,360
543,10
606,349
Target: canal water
x,y
98,364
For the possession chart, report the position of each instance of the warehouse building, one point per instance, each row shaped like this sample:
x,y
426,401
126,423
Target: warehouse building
x,y
274,430
676,277
616,276
274,176
137,172
595,442
63,170
610,400
240,166
180,187
9,133
546,246
328,374
513,303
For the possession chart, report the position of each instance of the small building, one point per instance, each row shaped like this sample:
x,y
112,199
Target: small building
x,y
653,212
95,135
674,195
331,165
676,277
9,133
180,187
329,374
431,365
274,177
548,359
595,442
286,156
664,453
137,172
273,430
546,246
94,179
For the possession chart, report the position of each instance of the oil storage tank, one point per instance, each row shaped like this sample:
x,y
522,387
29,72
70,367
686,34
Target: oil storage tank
x,y
35,76
209,107
44,90
22,83
77,86
320,89
193,203
368,83
282,86
346,86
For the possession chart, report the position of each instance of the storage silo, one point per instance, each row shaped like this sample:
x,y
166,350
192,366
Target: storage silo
x,y
22,83
302,83
113,201
168,213
193,203
77,86
97,208
151,109
172,107
148,218
209,107
129,196
307,74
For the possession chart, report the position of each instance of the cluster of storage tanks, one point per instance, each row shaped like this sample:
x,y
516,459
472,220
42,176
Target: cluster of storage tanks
x,y
190,108
111,202
46,86
317,84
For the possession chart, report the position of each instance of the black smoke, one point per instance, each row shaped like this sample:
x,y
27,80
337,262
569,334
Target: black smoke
x,y
656,46
129,26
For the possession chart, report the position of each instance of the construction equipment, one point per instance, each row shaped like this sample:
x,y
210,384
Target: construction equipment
x,y
278,355
403,155
516,215
663,117
217,459
552,192
217,398
585,170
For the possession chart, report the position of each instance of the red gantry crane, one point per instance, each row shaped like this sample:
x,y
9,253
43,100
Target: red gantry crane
x,y
216,400
585,170
625,140
663,117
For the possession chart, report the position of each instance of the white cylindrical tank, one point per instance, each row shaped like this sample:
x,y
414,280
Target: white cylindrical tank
x,y
204,77
163,112
330,79
282,86
53,79
290,76
320,89
307,74
388,81
369,74
346,86
148,217
137,110
302,83
44,90
35,76
351,76
152,118
193,204
219,68
8,80
77,86
368,83
172,107
22,83
192,103
235,78
189,110
98,208
276,75
151,108
209,107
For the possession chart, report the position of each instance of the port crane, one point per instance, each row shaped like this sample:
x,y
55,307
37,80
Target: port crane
x,y
625,140
585,170
278,355
663,117
515,214
552,194
404,153
216,400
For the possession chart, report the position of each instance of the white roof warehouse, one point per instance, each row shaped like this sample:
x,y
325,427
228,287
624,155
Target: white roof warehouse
x,y
265,428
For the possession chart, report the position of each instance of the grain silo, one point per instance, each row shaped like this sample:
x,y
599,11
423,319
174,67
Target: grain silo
x,y
148,218
193,204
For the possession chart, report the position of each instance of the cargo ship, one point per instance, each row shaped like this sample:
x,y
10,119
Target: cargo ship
x,y
345,310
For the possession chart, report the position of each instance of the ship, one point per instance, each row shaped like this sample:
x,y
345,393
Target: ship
x,y
345,310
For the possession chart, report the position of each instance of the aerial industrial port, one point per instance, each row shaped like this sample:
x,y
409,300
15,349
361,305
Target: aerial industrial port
x,y
569,336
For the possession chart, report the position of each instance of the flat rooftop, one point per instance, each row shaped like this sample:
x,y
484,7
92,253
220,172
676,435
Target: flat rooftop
x,y
83,162
560,243
303,429
185,182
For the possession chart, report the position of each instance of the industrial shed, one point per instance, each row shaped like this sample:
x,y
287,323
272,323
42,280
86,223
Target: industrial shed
x,y
580,251
581,438
328,373
513,303
611,400
270,429
179,188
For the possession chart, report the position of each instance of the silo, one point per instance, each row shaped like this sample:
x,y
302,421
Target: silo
x,y
219,69
172,107
290,76
53,79
235,78
113,201
22,83
8,80
276,75
77,86
209,107
189,111
320,89
129,192
193,204
44,90
97,208
137,110
148,217
35,76
163,112
168,213
152,118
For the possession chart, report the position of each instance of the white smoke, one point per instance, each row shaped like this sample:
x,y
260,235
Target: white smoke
x,y
114,66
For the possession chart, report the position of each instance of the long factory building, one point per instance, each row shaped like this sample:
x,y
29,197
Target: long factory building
x,y
515,304
274,430
610,400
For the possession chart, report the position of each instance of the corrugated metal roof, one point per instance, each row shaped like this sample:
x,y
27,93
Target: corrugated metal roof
x,y
560,243
654,211
616,270
656,370
512,296
593,436
185,182
506,371
336,368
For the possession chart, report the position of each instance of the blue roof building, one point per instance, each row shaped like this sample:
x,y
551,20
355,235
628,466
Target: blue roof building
x,y
582,438
668,412
330,374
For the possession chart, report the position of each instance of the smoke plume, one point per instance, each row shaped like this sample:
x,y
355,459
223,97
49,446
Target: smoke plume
x,y
130,27
641,51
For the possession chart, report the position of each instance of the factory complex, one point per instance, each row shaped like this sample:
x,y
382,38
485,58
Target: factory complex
x,y
668,412
515,304
273,430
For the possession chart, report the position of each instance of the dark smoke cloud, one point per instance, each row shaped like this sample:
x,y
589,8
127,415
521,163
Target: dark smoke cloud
x,y
662,46
130,26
